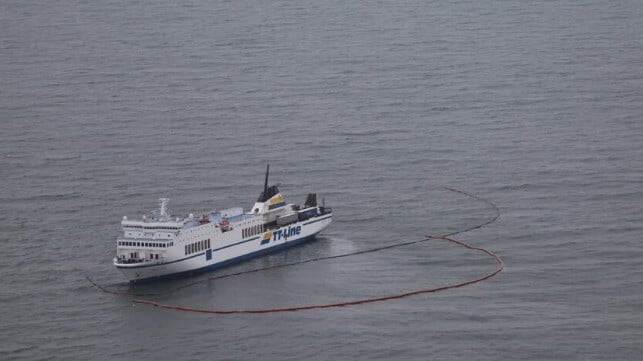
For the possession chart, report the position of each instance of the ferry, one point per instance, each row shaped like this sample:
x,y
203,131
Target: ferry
x,y
162,246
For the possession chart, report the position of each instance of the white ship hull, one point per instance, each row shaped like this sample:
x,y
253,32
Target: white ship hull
x,y
223,254
161,247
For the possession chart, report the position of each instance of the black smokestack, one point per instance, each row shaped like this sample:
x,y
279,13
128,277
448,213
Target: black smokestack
x,y
265,184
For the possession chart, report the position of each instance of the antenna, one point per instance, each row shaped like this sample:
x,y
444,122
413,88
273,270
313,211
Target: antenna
x,y
265,185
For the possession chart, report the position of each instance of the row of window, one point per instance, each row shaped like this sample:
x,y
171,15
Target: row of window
x,y
134,256
145,244
251,231
154,227
197,246
129,234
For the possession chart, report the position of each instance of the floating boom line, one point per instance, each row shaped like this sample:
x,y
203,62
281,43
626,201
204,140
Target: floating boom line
x,y
446,237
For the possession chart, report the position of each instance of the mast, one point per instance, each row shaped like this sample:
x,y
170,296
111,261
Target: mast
x,y
265,184
267,191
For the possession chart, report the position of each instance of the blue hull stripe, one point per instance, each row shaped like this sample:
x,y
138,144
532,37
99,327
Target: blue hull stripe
x,y
228,262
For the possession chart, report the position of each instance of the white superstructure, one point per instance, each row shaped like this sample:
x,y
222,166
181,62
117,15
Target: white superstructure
x,y
161,246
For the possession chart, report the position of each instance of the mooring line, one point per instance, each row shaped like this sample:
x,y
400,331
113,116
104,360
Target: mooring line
x,y
446,237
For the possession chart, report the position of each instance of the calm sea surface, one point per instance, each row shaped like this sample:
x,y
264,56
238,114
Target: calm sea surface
x,y
537,105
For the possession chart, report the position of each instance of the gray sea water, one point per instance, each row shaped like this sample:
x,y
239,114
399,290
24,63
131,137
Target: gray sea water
x,y
376,105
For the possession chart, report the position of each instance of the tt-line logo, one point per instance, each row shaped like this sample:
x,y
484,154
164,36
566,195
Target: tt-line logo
x,y
285,233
